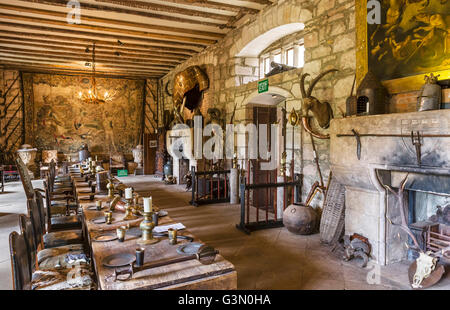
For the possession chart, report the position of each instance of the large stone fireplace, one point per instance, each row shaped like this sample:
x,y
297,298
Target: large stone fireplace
x,y
384,160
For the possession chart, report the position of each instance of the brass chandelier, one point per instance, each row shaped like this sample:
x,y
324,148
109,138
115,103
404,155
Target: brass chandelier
x,y
93,96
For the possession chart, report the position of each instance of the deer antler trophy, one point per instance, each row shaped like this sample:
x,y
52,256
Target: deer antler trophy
x,y
321,110
427,266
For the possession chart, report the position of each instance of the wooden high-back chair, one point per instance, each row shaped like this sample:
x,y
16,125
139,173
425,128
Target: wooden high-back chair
x,y
19,262
25,178
26,229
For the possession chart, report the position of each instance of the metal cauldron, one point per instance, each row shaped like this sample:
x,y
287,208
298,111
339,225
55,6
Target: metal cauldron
x,y
300,219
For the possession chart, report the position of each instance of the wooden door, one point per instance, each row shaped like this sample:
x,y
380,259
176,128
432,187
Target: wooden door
x,y
264,115
150,145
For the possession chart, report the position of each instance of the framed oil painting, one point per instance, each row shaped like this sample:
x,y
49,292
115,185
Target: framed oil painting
x,y
413,39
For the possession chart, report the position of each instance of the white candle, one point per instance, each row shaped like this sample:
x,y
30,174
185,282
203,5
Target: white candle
x,y
148,204
128,193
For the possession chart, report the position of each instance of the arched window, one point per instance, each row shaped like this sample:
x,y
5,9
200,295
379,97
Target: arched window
x,y
289,51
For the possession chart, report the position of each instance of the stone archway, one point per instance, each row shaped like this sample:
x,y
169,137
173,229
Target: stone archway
x,y
246,60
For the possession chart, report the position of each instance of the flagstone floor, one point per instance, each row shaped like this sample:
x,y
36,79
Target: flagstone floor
x,y
267,259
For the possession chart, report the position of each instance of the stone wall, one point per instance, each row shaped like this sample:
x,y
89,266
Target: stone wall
x,y
329,37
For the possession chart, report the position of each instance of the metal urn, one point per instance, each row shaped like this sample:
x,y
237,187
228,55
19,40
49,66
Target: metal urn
x,y
300,219
168,168
83,153
27,153
430,94
138,155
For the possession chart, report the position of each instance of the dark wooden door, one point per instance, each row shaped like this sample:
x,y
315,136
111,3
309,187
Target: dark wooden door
x,y
150,145
263,198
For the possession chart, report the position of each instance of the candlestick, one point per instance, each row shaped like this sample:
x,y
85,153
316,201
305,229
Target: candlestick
x,y
148,204
110,187
129,211
147,226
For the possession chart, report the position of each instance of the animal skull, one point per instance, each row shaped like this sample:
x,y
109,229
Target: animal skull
x,y
321,110
425,265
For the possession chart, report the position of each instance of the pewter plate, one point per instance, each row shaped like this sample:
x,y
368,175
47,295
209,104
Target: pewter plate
x,y
118,260
105,237
189,248
99,220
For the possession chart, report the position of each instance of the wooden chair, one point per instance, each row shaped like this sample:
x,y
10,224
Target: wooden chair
x,y
47,259
24,278
117,161
43,237
21,269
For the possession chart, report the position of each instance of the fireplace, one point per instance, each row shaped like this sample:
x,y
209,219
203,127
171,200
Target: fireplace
x,y
387,153
181,140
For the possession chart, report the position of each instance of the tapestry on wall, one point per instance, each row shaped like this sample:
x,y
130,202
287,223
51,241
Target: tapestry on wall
x,y
62,121
413,38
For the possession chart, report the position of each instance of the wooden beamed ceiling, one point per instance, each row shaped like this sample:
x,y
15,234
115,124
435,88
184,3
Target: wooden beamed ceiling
x,y
137,39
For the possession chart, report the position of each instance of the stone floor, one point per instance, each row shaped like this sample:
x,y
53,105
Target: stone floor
x,y
267,259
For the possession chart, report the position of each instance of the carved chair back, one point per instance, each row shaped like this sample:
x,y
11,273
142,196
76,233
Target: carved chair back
x,y
26,230
19,262
25,178
36,221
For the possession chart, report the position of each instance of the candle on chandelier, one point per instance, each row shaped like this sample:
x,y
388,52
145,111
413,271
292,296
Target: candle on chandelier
x,y
148,204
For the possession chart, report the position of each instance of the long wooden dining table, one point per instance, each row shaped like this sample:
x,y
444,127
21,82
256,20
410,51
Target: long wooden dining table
x,y
221,274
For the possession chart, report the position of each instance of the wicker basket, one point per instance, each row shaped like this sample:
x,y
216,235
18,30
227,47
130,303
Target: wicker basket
x,y
333,214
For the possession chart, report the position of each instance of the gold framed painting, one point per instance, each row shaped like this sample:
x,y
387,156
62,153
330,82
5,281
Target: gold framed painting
x,y
412,40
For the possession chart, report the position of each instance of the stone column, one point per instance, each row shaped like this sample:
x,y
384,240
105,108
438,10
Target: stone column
x,y
234,186
280,198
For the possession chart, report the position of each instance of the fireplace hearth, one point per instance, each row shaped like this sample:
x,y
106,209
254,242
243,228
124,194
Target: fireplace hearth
x,y
386,156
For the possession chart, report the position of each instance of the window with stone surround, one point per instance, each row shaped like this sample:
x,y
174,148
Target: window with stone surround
x,y
289,51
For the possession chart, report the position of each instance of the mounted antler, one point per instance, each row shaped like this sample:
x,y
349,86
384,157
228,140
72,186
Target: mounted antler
x,y
401,203
321,110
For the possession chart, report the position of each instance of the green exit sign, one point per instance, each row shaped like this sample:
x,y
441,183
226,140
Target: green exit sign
x,y
122,173
263,86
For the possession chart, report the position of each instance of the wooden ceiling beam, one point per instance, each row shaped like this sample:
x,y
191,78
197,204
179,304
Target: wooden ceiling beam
x,y
60,70
72,61
103,8
77,48
184,31
214,5
100,43
151,35
262,2
82,56
166,8
65,66
93,35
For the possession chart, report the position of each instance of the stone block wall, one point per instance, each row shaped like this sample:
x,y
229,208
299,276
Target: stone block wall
x,y
329,37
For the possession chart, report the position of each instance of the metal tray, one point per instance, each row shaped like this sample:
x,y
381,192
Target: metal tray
x,y
118,260
189,248
105,237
